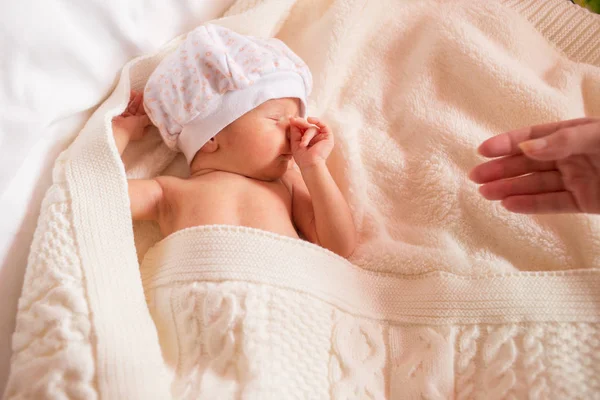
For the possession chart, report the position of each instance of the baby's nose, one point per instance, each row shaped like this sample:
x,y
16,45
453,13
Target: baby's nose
x,y
286,124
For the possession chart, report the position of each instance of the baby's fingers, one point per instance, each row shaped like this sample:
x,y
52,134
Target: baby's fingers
x,y
321,125
309,134
300,123
319,138
140,108
134,103
295,137
144,121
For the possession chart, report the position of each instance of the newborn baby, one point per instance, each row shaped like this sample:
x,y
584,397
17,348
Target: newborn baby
x,y
235,106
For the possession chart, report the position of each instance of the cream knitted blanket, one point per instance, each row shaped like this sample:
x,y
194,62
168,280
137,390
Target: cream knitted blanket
x,y
447,294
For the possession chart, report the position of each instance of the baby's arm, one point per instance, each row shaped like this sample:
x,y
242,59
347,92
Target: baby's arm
x,y
132,123
144,194
320,210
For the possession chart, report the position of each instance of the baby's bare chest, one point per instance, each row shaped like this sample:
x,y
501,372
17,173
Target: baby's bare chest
x,y
235,201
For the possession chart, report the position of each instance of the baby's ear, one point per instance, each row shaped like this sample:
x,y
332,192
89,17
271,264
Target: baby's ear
x,y
210,147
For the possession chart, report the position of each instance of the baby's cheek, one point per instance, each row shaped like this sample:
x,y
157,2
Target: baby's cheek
x,y
268,150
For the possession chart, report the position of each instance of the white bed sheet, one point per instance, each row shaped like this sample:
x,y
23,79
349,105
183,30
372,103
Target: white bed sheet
x,y
60,59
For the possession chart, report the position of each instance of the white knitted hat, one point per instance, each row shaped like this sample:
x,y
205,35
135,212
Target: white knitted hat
x,y
214,77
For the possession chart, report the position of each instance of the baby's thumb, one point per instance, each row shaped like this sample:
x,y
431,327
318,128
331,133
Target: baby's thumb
x,y
564,142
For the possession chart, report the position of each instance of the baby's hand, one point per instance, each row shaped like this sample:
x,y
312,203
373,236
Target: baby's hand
x,y
133,120
311,141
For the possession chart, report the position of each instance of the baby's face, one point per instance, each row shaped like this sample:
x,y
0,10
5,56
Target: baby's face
x,y
257,144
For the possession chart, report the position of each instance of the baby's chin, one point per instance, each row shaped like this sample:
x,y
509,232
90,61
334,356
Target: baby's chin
x,y
272,172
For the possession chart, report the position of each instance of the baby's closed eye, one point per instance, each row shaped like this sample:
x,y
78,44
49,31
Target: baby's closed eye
x,y
282,118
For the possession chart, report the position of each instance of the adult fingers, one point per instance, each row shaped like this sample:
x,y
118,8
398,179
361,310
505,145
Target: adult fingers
x,y
507,143
565,142
558,202
508,167
537,183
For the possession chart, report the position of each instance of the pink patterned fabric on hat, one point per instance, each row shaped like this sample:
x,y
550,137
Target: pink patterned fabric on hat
x,y
214,77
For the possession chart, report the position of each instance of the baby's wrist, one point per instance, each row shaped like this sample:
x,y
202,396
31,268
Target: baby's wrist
x,y
313,165
122,138
318,168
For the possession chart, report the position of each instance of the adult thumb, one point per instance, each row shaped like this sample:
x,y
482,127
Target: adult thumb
x,y
564,142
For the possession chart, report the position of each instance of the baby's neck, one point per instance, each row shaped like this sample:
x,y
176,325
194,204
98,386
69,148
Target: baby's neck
x,y
202,172
196,172
200,168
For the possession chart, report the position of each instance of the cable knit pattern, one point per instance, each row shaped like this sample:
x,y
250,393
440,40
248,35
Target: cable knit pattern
x,y
345,355
465,367
499,356
52,341
534,362
208,320
454,297
221,341
358,359
421,362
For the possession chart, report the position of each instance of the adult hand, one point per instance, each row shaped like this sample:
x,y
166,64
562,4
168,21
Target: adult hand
x,y
550,168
